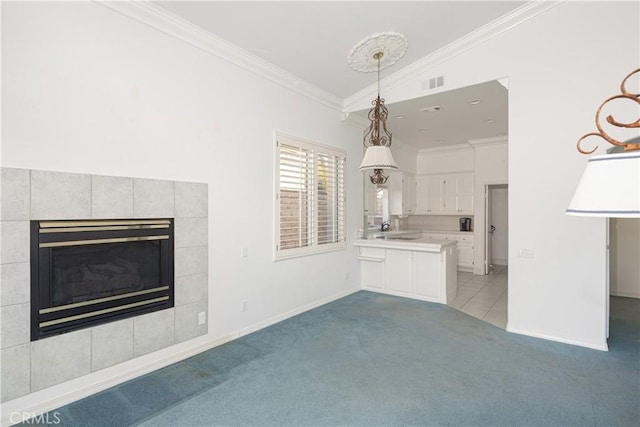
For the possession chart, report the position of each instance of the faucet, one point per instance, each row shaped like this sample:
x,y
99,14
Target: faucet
x,y
386,225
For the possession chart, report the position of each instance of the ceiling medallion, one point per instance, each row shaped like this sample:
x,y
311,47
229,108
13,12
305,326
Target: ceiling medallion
x,y
392,45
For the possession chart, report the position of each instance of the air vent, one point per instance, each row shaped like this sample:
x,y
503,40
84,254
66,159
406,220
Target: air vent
x,y
431,109
433,83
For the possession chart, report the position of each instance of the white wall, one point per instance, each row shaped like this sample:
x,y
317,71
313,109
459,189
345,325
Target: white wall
x,y
405,155
624,241
561,65
88,90
440,160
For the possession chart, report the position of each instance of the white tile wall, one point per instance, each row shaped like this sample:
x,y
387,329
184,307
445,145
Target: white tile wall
x,y
13,277
60,358
153,198
14,329
56,195
187,321
153,331
15,242
111,197
190,232
190,289
111,343
16,372
189,261
15,194
191,200
30,195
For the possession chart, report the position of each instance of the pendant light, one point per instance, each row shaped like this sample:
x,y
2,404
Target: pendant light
x,y
371,54
610,185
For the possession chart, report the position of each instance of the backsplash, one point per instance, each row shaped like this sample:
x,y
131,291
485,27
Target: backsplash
x,y
435,222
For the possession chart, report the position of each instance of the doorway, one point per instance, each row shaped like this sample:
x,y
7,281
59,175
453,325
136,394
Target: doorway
x,y
496,227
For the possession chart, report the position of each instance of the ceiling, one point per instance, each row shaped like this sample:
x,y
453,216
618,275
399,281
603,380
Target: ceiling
x,y
474,112
312,40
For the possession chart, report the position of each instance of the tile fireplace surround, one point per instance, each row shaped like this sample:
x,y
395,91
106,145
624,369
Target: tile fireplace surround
x,y
41,195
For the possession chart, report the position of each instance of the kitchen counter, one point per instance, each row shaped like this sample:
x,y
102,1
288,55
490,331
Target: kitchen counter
x,y
418,268
401,242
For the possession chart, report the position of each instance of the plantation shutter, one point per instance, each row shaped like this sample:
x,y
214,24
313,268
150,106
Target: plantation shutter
x,y
310,198
330,198
296,196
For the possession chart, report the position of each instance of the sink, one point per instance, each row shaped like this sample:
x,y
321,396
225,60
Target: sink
x,y
405,238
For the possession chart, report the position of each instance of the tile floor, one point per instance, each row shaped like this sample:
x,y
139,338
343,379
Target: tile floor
x,y
483,297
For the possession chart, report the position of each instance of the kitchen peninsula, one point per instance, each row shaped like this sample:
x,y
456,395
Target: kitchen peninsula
x,y
409,265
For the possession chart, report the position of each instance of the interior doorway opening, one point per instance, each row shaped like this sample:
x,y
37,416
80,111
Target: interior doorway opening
x,y
496,227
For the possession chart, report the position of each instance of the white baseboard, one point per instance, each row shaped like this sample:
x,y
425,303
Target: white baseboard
x,y
279,318
499,261
601,347
63,394
624,294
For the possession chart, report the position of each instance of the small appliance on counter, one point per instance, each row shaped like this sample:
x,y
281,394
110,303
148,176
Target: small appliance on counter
x,y
465,224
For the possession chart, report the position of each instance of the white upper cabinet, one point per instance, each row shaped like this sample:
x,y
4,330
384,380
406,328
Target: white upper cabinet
x,y
370,194
465,193
402,193
445,194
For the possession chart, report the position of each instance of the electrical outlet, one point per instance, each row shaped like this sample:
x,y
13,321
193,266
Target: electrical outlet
x,y
245,306
202,317
526,253
243,252
346,276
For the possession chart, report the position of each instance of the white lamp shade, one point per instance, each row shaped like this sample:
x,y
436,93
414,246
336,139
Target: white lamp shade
x,y
378,157
610,187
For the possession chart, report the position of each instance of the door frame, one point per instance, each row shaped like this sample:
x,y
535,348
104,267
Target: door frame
x,y
484,225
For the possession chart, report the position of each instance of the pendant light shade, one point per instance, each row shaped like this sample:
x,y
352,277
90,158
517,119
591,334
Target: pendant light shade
x,y
378,157
610,187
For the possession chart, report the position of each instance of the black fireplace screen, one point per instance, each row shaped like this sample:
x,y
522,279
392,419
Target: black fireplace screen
x,y
90,272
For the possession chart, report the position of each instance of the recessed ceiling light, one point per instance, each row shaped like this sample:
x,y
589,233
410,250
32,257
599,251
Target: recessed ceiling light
x,y
422,130
399,116
475,102
489,120
431,109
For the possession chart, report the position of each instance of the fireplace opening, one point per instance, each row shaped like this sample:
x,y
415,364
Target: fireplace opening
x,y
85,273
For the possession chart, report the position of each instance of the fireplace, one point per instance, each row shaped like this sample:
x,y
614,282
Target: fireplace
x,y
84,273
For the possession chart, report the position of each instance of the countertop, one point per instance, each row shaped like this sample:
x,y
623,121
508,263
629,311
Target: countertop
x,y
419,245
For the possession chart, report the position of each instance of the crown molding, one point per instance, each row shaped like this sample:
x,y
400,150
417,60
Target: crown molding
x,y
455,48
445,149
355,120
162,20
483,142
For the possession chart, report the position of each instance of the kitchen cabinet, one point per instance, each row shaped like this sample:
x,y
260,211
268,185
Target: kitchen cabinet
x,y
445,194
402,193
370,195
465,247
413,269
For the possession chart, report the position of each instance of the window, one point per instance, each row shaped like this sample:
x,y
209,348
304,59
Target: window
x,y
310,198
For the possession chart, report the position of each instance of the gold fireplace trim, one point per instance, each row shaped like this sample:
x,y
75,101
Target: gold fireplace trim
x,y
100,300
102,225
103,311
101,241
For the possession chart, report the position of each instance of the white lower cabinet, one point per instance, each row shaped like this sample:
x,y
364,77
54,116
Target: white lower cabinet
x,y
465,247
399,265
465,255
372,263
428,276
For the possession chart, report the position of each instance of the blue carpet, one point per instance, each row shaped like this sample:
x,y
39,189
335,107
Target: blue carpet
x,y
377,360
